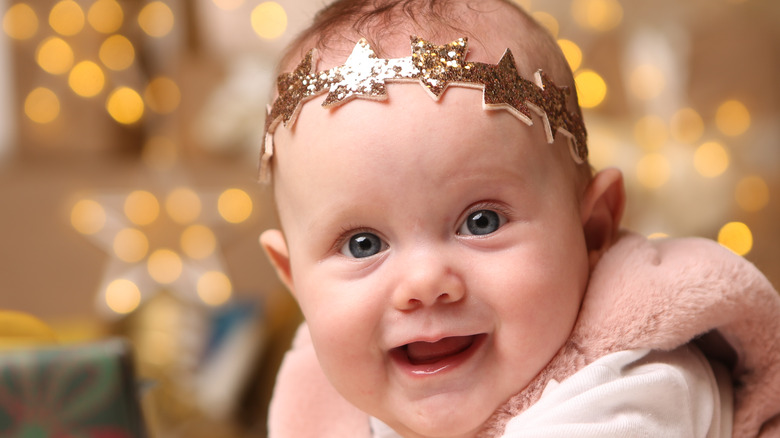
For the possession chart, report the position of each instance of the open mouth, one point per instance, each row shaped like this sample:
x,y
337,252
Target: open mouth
x,y
431,357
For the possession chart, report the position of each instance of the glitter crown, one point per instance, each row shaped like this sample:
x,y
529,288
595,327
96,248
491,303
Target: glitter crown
x,y
364,75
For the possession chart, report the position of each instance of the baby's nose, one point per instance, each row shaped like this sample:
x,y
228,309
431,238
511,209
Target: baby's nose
x,y
427,283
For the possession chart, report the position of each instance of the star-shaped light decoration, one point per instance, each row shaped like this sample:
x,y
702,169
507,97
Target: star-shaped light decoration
x,y
159,245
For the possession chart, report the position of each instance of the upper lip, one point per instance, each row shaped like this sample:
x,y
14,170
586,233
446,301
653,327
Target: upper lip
x,y
434,338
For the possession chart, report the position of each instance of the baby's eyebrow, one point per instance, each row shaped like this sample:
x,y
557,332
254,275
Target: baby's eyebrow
x,y
364,76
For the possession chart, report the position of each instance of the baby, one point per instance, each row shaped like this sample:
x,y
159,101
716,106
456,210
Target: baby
x,y
440,229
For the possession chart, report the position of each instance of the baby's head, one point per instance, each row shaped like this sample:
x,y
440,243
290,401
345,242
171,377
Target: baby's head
x,y
439,251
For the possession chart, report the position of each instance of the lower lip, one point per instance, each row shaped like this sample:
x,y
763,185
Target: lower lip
x,y
439,367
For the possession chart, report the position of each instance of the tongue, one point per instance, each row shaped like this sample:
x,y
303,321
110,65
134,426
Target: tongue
x,y
429,352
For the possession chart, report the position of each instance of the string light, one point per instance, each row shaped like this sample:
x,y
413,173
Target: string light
x,y
66,18
105,16
54,55
164,266
156,19
653,170
234,205
737,237
214,288
141,207
651,133
42,105
125,105
117,52
183,205
732,118
20,21
122,296
597,15
86,79
269,20
572,52
88,216
752,193
591,88
131,245
162,95
548,22
198,242
687,126
711,159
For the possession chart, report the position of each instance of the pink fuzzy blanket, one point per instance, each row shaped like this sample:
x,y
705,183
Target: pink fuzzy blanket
x,y
643,294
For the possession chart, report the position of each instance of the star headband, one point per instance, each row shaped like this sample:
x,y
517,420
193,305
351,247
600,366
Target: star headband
x,y
364,76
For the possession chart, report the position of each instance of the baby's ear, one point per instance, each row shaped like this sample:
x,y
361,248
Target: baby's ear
x,y
602,210
275,248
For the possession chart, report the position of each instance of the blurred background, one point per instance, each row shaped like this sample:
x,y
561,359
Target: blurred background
x,y
129,142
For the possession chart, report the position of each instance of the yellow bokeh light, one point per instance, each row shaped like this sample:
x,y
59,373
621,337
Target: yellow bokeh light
x,y
54,55
198,242
598,15
86,79
66,18
141,207
646,82
156,19
737,237
183,205
42,105
125,105
687,126
164,266
752,193
572,52
269,20
162,95
123,296
105,16
711,159
214,288
591,88
234,205
131,245
653,171
117,52
159,153
88,216
651,133
732,118
20,21
548,22
228,5
658,235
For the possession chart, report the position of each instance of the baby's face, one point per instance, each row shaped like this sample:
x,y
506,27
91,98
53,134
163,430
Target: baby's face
x,y
436,251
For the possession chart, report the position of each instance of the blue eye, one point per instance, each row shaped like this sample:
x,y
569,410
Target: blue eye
x,y
481,222
362,245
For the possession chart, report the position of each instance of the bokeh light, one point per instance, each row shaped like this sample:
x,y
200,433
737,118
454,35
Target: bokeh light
x,y
732,118
141,207
160,153
597,15
752,193
86,79
183,205
653,170
87,216
42,105
162,95
20,21
66,18
156,19
105,16
646,82
737,237
214,288
572,52
117,52
123,296
54,55
125,105
548,22
164,266
651,133
711,159
591,88
198,242
687,126
234,205
131,245
269,20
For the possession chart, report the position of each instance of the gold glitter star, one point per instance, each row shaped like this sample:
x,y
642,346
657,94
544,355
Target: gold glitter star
x,y
441,65
294,89
558,118
506,89
362,75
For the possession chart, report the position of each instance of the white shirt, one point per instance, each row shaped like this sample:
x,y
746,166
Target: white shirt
x,y
636,393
